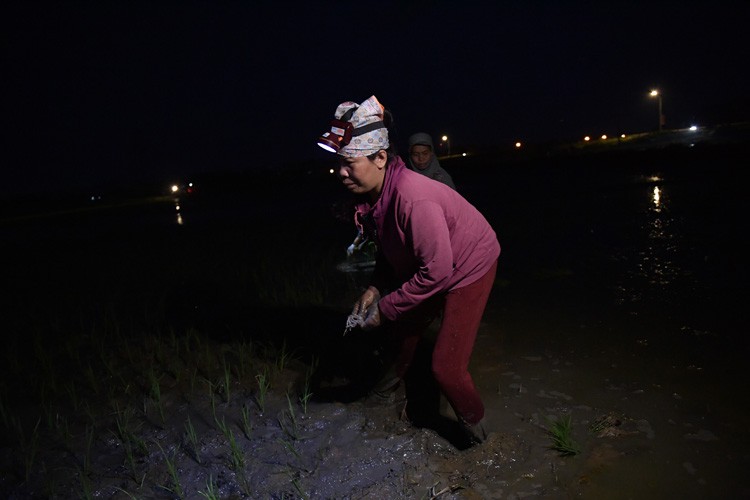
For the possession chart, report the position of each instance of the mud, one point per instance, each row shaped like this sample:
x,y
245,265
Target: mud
x,y
338,442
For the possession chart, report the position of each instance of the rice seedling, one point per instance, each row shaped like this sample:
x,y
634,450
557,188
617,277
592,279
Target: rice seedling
x,y
212,490
30,448
244,355
559,432
283,357
127,435
174,342
192,439
129,355
46,385
292,430
89,412
263,385
247,425
130,495
192,334
174,370
50,484
49,414
92,378
155,392
238,458
290,448
106,358
45,365
122,421
222,425
85,485
193,378
297,486
112,392
226,380
172,468
62,429
130,459
87,452
158,347
304,398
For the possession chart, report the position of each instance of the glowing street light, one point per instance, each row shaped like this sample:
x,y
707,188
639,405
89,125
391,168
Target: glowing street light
x,y
657,94
447,143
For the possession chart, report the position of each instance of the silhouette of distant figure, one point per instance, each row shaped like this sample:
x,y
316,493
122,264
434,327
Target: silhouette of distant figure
x,y
422,159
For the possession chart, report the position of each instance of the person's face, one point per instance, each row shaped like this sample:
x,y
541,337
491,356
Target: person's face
x,y
361,175
421,156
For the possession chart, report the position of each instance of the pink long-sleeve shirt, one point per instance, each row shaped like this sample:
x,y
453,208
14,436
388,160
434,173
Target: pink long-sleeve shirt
x,y
431,238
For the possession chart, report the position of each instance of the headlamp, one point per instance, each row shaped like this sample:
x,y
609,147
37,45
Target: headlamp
x,y
339,136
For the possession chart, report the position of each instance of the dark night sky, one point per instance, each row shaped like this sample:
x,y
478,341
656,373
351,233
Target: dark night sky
x,y
101,93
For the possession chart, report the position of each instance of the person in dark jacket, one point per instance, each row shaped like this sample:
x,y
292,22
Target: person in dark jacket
x,y
422,159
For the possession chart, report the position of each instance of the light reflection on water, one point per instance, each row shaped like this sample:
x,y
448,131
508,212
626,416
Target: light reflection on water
x,y
177,208
655,272
657,265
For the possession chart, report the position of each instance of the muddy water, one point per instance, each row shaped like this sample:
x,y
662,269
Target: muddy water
x,y
619,294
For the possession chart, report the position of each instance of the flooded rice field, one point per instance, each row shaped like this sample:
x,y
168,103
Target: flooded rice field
x,y
188,346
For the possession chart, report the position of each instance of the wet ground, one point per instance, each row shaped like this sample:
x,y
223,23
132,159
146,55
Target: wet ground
x,y
616,305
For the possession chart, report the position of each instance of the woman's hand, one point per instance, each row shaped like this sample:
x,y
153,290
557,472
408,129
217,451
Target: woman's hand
x,y
370,297
372,318
367,308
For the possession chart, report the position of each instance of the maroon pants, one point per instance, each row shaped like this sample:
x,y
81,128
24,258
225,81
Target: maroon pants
x,y
462,311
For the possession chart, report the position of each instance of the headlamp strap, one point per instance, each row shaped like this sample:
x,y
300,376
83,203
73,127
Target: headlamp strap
x,y
367,128
348,115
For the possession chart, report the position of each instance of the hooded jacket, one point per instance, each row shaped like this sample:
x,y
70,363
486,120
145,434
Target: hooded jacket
x,y
433,170
430,240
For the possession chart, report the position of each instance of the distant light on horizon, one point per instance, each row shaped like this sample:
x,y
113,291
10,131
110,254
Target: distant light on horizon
x,y
518,144
604,136
175,188
331,171
622,135
587,138
693,128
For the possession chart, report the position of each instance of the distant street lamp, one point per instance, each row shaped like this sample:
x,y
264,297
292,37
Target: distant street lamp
x,y
447,143
657,94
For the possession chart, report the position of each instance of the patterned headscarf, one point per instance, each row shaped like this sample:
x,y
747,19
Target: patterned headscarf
x,y
368,113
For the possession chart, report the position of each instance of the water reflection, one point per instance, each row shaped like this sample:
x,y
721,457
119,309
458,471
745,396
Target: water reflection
x,y
179,213
657,264
654,274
